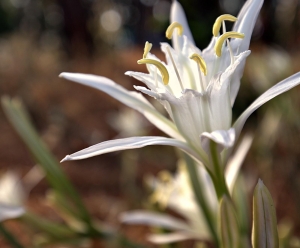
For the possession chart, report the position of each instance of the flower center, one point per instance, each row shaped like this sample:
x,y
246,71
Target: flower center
x,y
202,68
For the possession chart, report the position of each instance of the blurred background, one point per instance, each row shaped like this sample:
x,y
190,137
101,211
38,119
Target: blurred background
x,y
41,38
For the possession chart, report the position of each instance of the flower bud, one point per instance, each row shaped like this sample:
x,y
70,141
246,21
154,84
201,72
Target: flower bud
x,y
264,229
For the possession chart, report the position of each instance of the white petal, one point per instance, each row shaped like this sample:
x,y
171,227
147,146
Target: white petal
x,y
11,190
171,237
178,15
153,219
239,65
233,74
144,77
130,143
189,112
149,80
130,98
10,212
245,23
224,139
211,59
189,47
236,81
235,162
274,91
185,67
147,92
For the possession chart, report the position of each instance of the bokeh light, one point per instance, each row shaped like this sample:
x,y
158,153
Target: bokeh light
x,y
111,20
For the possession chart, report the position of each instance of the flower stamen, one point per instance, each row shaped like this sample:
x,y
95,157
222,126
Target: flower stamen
x,y
228,44
200,61
170,30
156,75
163,70
175,68
223,37
220,20
201,66
147,49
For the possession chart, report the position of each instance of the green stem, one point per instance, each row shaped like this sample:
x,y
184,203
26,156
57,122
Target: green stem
x,y
9,237
218,176
200,198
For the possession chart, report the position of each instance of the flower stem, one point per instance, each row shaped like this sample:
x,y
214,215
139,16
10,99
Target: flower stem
x,y
200,197
218,176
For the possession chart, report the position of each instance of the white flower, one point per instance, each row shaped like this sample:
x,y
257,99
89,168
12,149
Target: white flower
x,y
175,193
11,197
197,88
14,192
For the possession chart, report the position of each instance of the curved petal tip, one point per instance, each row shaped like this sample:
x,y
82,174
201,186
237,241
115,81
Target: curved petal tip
x,y
224,139
66,158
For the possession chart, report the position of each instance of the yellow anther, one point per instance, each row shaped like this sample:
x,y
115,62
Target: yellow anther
x,y
147,49
200,61
223,37
218,22
170,29
163,70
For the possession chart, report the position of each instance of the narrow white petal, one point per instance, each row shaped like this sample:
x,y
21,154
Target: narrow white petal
x,y
146,78
129,143
224,139
171,237
153,219
235,162
178,15
130,98
10,212
274,91
246,21
147,91
238,69
233,73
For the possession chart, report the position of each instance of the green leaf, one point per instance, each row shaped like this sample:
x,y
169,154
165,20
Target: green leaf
x,y
201,200
229,227
19,118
